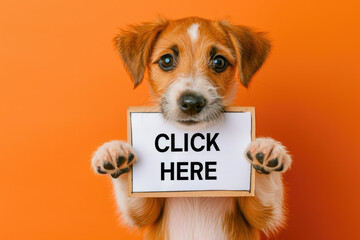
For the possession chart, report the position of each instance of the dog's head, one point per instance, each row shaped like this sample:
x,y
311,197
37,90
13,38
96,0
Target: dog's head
x,y
193,64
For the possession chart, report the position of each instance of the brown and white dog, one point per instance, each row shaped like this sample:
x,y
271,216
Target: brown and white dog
x,y
194,65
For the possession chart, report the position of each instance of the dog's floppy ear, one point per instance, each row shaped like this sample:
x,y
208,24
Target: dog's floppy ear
x,y
135,45
251,49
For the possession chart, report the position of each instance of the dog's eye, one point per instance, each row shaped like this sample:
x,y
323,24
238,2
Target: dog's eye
x,y
167,62
219,64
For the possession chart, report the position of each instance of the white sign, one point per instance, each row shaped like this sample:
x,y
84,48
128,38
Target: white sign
x,y
178,162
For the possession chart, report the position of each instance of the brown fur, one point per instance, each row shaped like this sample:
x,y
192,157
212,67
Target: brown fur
x,y
256,214
157,231
189,61
241,45
247,217
252,49
135,47
148,212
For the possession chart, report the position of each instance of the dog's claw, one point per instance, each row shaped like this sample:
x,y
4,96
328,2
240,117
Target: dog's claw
x,y
120,160
279,169
264,171
130,158
260,169
260,157
101,171
108,166
257,168
115,174
248,154
273,163
120,172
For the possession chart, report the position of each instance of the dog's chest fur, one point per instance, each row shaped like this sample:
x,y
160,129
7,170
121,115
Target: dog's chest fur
x,y
196,218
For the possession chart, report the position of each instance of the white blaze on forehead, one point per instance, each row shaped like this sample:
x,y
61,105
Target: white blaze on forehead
x,y
193,32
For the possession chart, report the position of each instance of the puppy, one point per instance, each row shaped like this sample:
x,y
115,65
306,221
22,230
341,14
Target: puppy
x,y
194,67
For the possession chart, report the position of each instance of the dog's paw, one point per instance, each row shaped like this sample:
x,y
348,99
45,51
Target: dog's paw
x,y
267,155
113,158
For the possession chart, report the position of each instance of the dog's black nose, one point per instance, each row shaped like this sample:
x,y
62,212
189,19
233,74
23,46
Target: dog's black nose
x,y
191,103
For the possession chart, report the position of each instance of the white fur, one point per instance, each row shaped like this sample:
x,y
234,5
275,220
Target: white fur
x,y
197,218
230,96
120,189
197,83
269,190
193,32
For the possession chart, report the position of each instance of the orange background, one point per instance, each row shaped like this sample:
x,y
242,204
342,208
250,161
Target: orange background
x,y
64,92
